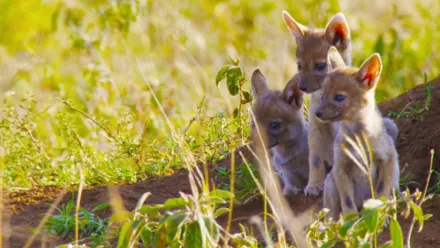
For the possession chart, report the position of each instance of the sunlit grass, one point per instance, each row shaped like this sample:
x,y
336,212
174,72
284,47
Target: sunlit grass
x,y
125,90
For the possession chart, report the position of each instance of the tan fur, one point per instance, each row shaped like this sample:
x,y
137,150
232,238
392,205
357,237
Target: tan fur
x,y
288,142
346,187
312,49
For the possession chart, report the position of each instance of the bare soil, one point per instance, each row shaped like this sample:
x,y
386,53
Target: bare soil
x,y
24,211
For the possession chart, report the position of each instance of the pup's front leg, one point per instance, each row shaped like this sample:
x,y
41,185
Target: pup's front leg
x,y
320,159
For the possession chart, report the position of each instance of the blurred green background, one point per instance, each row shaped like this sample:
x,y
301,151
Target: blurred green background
x,y
102,56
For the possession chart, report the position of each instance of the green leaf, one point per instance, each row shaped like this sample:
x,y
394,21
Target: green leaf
x,y
427,217
396,234
221,194
369,213
121,216
247,97
217,200
193,235
235,113
174,224
212,227
242,228
146,236
418,213
160,238
329,244
234,61
344,229
233,78
124,235
220,212
387,244
137,228
101,207
175,203
149,210
221,74
366,245
322,213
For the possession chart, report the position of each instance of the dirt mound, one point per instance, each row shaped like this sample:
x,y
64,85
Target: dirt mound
x,y
419,132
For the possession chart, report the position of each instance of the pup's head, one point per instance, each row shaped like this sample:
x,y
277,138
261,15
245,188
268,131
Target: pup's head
x,y
279,115
312,48
347,91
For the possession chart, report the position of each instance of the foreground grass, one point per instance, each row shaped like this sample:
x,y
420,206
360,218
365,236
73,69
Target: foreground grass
x,y
99,92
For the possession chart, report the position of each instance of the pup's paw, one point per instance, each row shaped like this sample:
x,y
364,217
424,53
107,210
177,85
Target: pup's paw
x,y
314,190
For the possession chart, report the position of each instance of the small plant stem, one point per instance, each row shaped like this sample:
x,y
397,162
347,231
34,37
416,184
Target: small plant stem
x,y
231,199
109,134
23,127
265,210
142,143
413,221
78,203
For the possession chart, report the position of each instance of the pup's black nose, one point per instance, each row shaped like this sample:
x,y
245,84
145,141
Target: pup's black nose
x,y
318,113
303,87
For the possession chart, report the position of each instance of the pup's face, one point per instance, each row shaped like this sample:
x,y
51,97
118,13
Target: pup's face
x,y
346,91
312,48
279,115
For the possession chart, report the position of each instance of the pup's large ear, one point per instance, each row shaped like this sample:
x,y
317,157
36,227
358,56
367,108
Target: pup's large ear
x,y
258,82
337,31
292,94
334,58
295,28
368,74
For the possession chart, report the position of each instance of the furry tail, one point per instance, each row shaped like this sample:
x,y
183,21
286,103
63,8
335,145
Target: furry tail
x,y
391,128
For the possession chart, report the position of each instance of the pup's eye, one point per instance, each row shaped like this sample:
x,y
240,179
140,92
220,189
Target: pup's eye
x,y
339,98
320,66
299,66
275,125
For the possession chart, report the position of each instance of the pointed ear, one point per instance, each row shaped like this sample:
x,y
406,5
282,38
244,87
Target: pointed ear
x,y
295,28
292,94
334,58
337,31
258,82
368,74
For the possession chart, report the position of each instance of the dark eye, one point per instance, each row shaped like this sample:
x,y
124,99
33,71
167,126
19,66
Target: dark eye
x,y
275,125
299,66
339,98
320,66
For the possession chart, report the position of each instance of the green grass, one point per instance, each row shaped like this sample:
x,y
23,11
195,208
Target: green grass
x,y
245,186
83,80
91,226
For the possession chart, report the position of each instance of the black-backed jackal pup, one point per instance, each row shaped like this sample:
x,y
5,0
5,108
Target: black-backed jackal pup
x,y
311,52
348,97
280,121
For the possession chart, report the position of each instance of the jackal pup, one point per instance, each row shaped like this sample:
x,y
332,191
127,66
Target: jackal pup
x,y
312,49
281,123
348,97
